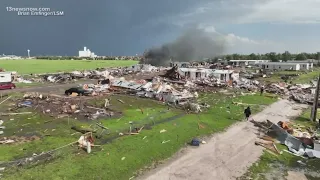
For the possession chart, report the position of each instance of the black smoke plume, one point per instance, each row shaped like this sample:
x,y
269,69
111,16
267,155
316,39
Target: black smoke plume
x,y
193,45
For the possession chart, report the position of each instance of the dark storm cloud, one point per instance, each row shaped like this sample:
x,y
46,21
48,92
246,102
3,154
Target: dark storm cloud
x,y
120,27
104,26
194,45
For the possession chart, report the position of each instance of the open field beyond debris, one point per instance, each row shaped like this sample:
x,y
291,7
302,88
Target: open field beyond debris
x,y
294,76
164,130
27,66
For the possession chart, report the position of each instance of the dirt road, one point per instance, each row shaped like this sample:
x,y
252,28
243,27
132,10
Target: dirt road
x,y
60,88
47,88
226,155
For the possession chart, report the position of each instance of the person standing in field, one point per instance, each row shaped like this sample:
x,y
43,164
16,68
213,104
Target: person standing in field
x,y
247,113
261,90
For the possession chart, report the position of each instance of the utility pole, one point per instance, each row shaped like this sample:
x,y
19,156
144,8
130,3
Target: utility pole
x,y
318,57
315,102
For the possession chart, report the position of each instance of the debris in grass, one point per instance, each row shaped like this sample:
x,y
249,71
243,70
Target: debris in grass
x,y
123,158
163,130
18,139
9,141
107,103
163,142
86,141
302,163
25,103
61,106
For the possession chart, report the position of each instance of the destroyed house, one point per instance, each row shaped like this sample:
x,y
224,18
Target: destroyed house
x,y
163,92
201,73
194,73
141,67
279,66
126,85
223,75
166,93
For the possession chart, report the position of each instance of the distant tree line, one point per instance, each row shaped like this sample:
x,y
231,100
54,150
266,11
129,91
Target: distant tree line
x,y
274,57
82,58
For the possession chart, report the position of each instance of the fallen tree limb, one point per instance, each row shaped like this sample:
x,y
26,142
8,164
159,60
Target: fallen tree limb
x,y
90,107
275,147
34,158
82,130
131,133
140,129
120,101
5,100
267,146
100,125
267,138
9,114
244,104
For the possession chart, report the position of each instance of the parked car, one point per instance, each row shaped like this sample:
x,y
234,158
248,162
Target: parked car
x,y
8,85
80,91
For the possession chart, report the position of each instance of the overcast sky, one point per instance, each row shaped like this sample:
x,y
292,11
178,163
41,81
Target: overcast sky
x,y
128,27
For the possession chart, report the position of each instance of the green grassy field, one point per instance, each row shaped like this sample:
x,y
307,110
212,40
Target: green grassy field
x,y
272,166
49,66
305,78
128,155
301,79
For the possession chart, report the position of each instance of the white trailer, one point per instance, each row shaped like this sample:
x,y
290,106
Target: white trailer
x,y
5,77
